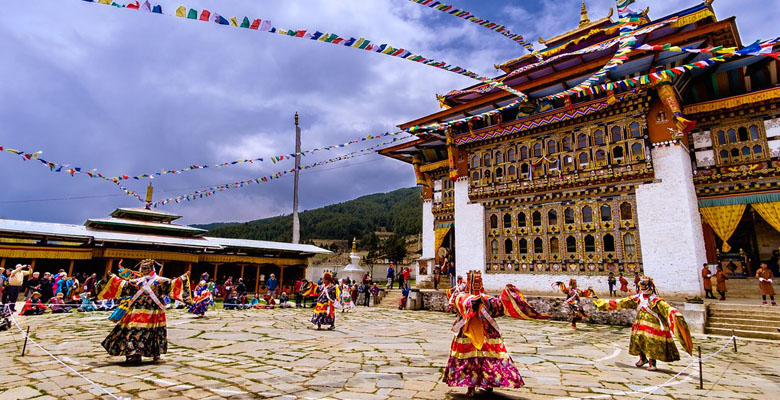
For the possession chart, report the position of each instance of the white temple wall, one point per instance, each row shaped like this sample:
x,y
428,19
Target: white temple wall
x,y
469,231
428,240
669,224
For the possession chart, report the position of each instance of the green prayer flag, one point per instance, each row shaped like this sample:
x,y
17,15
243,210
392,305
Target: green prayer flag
x,y
245,23
193,14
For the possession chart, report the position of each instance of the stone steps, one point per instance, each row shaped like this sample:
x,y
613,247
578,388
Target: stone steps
x,y
744,320
390,301
743,288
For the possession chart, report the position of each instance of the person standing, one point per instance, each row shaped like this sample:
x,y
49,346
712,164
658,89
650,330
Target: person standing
x,y
272,284
390,276
765,278
721,278
46,290
452,272
374,290
611,282
407,273
636,281
367,295
241,286
14,286
297,291
706,276
436,272
33,285
89,283
400,278
623,284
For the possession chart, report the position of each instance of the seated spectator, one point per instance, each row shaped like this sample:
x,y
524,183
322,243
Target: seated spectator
x,y
87,305
33,306
57,304
243,301
284,300
404,297
231,302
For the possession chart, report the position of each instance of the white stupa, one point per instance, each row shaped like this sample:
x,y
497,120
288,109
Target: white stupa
x,y
353,270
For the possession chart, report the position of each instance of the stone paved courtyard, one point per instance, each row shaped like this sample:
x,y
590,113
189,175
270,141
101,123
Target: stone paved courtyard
x,y
373,354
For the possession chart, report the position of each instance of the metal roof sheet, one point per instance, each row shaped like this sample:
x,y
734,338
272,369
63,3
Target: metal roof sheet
x,y
266,245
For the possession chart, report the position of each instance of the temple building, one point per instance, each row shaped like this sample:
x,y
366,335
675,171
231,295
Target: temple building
x,y
134,234
616,180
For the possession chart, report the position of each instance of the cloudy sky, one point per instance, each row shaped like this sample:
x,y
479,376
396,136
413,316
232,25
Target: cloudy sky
x,y
129,93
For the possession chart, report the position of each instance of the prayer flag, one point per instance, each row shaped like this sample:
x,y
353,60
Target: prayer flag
x,y
146,6
193,14
205,15
181,11
245,23
255,24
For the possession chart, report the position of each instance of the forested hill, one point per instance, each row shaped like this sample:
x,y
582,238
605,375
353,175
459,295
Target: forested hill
x,y
399,211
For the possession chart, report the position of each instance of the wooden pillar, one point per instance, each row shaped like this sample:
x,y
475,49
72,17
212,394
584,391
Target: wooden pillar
x,y
2,263
257,279
189,268
162,266
216,267
242,270
32,265
281,276
109,265
70,267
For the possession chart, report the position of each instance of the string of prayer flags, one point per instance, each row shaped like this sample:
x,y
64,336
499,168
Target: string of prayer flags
x,y
332,38
517,38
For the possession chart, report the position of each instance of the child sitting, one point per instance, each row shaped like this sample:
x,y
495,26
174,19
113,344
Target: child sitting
x,y
57,305
284,301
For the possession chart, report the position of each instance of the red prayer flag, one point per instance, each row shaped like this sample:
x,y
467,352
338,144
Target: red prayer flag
x,y
300,33
205,15
255,24
135,6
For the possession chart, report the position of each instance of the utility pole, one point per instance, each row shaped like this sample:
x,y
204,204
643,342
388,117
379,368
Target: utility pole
x,y
296,233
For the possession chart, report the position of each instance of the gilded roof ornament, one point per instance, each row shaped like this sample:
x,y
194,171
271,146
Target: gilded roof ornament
x,y
584,20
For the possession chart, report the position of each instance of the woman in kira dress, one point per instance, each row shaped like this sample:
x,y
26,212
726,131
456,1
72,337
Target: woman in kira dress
x,y
346,302
324,311
656,322
141,331
478,357
201,299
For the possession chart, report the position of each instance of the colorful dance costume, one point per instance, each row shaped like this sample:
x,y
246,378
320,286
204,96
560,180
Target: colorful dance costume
x,y
324,311
656,322
573,300
141,330
201,299
478,357
346,303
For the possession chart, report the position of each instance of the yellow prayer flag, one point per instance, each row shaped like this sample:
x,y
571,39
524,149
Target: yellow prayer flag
x,y
359,42
107,2
233,21
181,12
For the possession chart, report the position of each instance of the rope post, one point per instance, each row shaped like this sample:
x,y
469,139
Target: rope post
x,y
26,335
701,377
734,339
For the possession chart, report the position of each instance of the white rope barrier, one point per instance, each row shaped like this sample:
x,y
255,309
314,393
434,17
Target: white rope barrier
x,y
11,315
696,360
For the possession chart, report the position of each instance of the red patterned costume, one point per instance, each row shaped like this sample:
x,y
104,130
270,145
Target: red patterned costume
x,y
478,357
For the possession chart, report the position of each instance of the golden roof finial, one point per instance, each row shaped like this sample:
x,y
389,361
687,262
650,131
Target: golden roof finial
x,y
149,192
354,245
584,20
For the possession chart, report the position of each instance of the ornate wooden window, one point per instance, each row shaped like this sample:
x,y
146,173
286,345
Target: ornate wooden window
x,y
566,144
507,220
522,246
552,146
524,170
538,150
508,246
555,247
538,246
475,176
536,218
590,244
523,153
511,172
600,156
616,134
494,248
629,244
637,151
626,213
568,163
499,158
582,141
635,130
598,137
521,220
476,161
552,218
500,173
606,213
487,174
583,159
487,159
571,245
741,143
609,243
617,154
510,155
587,214
568,216
493,222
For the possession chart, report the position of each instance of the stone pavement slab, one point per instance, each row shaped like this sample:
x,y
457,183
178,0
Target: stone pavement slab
x,y
373,354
